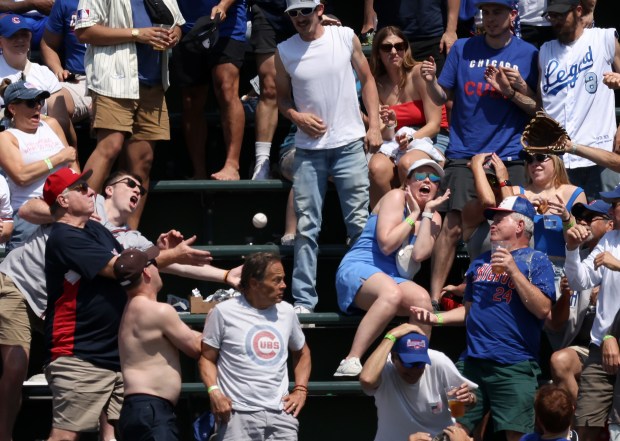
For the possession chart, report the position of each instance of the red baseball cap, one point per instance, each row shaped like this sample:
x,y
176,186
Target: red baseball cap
x,y
58,181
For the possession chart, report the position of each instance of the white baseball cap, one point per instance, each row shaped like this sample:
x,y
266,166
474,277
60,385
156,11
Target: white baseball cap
x,y
299,4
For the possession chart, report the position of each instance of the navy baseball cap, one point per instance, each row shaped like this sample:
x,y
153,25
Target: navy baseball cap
x,y
560,6
508,3
22,90
584,211
11,23
412,348
512,204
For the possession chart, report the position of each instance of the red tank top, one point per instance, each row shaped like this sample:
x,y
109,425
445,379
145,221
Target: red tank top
x,y
411,114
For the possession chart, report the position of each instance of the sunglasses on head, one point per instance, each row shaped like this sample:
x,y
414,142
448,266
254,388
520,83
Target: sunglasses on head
x,y
82,187
387,47
538,157
32,103
420,176
131,184
304,12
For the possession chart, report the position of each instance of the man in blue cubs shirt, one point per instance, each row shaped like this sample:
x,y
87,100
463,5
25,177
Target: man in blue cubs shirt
x,y
504,315
84,309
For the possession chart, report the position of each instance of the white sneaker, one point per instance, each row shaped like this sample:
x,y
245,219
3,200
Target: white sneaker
x,y
351,367
299,309
36,380
261,170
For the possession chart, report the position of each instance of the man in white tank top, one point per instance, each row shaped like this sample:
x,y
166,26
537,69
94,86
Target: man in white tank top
x,y
316,67
572,89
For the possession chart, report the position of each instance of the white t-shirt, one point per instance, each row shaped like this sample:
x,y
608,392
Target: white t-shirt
x,y
253,349
323,84
40,76
6,211
404,409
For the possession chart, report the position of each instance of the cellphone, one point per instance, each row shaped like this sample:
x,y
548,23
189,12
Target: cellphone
x,y
70,78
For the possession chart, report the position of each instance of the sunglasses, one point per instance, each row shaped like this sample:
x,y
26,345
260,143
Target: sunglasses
x,y
493,181
304,12
81,187
151,262
538,157
554,16
414,365
131,184
32,103
387,47
422,176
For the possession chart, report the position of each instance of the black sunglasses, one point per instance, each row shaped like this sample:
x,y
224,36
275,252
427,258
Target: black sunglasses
x,y
82,187
131,184
387,47
538,157
304,12
32,103
414,365
151,262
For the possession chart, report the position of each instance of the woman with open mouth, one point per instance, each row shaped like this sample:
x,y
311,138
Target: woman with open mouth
x,y
368,278
31,148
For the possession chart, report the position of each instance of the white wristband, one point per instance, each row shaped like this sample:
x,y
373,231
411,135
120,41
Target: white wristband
x,y
427,215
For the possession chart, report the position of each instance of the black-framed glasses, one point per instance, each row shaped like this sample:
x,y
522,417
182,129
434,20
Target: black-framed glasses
x,y
151,262
81,187
131,184
387,47
537,157
31,104
304,12
420,176
493,181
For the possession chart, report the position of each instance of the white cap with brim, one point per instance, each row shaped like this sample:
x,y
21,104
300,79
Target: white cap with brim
x,y
299,4
425,162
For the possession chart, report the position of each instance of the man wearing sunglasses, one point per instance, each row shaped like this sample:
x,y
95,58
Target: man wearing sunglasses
x,y
408,381
314,67
572,90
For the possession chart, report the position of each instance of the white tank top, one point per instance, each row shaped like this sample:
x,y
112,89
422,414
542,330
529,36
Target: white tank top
x,y
323,84
33,147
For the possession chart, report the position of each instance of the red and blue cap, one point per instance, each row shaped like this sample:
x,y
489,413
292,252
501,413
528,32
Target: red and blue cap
x,y
412,348
512,204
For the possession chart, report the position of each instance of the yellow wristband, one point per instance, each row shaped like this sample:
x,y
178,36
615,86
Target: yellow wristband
x,y
390,337
49,164
568,226
439,318
226,276
212,388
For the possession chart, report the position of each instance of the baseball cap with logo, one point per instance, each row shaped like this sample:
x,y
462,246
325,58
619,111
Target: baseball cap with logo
x,y
300,4
130,263
512,204
560,6
588,211
412,348
11,23
58,181
22,90
203,35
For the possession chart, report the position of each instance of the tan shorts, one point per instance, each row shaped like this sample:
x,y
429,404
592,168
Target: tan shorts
x,y
145,119
17,320
596,390
80,392
82,102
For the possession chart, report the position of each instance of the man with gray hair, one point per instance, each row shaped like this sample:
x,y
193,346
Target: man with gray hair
x,y
509,294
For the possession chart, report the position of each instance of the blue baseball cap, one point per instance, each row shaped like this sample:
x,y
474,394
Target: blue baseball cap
x,y
22,90
595,207
412,348
11,23
512,204
610,196
507,3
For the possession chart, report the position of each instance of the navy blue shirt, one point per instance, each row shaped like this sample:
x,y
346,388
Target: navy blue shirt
x,y
149,59
62,22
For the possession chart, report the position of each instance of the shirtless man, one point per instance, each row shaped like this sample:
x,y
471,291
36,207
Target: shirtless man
x,y
150,337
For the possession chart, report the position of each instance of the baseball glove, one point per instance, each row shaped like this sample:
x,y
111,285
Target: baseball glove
x,y
544,134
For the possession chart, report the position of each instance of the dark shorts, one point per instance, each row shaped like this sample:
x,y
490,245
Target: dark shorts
x,y
190,69
263,39
147,418
422,49
596,392
460,180
507,390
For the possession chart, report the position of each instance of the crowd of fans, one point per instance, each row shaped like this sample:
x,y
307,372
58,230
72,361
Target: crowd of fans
x,y
422,143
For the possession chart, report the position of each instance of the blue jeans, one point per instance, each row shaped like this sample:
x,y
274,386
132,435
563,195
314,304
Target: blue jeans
x,y
349,170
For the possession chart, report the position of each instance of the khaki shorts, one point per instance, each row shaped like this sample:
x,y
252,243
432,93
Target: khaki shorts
x,y
596,390
145,119
17,320
82,102
80,392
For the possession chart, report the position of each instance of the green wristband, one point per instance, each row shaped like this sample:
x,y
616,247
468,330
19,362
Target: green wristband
x,y
212,388
390,337
439,318
410,221
607,337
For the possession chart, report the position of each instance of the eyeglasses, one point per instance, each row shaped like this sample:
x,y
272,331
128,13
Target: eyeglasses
x,y
32,103
493,181
387,47
422,176
131,184
81,187
304,12
538,157
151,262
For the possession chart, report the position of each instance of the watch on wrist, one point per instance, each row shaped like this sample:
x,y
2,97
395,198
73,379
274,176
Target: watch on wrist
x,y
135,33
505,183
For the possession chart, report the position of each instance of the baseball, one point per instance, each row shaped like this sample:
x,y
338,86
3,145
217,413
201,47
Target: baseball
x,y
259,220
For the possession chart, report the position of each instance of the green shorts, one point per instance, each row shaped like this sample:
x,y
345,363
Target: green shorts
x,y
506,390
